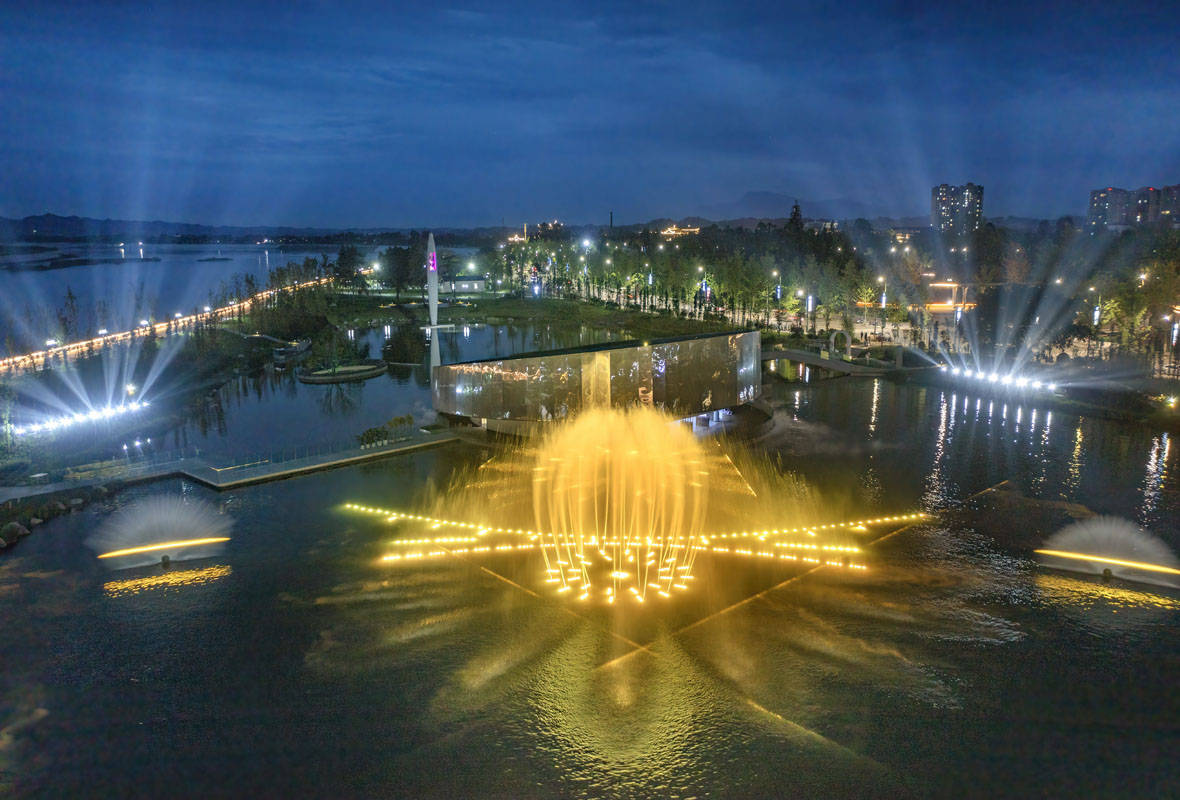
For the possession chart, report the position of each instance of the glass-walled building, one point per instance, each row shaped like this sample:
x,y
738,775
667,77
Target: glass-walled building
x,y
685,375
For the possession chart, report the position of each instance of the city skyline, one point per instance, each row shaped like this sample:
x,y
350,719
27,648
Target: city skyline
x,y
367,116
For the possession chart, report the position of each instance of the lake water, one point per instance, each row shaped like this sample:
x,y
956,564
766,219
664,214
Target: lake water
x,y
129,289
269,414
300,666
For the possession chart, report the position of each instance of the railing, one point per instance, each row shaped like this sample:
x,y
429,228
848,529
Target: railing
x,y
239,465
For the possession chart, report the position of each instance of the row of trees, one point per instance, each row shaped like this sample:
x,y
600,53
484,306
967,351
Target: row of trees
x,y
1041,284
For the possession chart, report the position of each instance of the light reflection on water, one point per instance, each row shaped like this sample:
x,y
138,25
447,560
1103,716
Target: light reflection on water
x,y
171,579
954,661
1075,594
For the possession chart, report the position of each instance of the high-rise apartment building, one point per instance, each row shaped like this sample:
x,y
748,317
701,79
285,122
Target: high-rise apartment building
x,y
1118,209
956,210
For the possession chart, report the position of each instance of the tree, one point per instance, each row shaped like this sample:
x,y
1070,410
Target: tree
x,y
795,223
1015,265
347,269
865,295
397,272
67,316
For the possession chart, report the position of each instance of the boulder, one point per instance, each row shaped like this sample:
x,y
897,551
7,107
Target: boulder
x,y
35,521
76,502
13,531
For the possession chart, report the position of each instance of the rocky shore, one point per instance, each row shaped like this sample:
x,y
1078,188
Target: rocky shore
x,y
20,518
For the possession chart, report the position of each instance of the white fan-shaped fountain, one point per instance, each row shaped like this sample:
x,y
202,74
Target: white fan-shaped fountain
x,y
1109,543
147,530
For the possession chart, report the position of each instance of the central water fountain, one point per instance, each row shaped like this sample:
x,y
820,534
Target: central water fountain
x,y
619,504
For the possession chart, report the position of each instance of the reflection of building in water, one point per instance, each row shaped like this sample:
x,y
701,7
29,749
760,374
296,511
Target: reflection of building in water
x,y
684,375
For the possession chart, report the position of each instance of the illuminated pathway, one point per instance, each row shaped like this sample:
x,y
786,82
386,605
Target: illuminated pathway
x,y
85,347
234,477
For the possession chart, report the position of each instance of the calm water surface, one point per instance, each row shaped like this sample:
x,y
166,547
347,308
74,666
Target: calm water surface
x,y
271,413
115,294
300,667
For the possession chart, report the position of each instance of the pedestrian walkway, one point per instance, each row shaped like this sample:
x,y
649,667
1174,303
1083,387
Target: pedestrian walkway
x,y
235,476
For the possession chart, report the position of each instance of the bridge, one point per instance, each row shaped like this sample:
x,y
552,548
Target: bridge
x,y
812,359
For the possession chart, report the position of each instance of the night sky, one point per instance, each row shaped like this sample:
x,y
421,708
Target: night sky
x,y
354,114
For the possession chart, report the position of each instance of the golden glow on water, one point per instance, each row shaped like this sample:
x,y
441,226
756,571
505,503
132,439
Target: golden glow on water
x,y
1118,562
619,505
148,548
1085,593
165,580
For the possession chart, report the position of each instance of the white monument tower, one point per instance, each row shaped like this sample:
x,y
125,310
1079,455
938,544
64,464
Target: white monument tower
x,y
432,280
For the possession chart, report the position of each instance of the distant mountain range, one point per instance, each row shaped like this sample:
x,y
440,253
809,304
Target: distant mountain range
x,y
774,205
53,226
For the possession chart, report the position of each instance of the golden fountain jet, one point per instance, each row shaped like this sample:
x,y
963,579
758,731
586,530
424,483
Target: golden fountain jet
x,y
621,504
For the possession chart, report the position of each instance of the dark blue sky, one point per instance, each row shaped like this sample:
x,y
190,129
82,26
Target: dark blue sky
x,y
368,114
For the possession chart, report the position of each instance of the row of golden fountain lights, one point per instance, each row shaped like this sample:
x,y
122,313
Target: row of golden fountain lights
x,y
672,575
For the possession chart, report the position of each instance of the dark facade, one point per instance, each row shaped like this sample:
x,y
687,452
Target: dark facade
x,y
1117,209
686,375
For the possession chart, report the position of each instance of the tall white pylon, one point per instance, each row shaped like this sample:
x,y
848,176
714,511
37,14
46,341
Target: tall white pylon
x,y
432,279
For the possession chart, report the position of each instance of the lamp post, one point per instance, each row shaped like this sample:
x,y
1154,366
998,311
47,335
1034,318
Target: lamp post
x,y
881,282
1096,318
778,292
704,290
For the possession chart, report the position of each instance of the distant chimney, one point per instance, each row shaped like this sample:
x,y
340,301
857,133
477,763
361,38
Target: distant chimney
x,y
612,220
